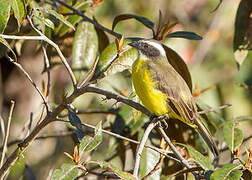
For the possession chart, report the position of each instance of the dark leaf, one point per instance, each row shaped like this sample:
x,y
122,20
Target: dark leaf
x,y
226,172
76,122
67,172
103,40
184,34
232,135
60,17
148,23
85,48
18,8
5,6
203,161
243,31
179,65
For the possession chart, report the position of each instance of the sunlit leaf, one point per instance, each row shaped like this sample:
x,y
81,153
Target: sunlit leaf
x,y
76,122
18,8
5,6
18,168
109,167
179,65
67,172
4,42
148,23
149,160
84,143
125,61
72,19
226,172
85,48
243,29
97,138
232,135
184,34
203,161
44,20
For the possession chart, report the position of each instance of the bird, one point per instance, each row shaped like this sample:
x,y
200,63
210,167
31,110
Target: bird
x,y
163,91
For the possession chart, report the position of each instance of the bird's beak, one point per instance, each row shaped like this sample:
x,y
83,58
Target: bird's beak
x,y
133,44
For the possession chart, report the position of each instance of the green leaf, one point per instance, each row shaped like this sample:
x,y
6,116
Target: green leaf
x,y
84,143
125,61
44,20
232,135
88,143
109,167
148,23
97,138
67,172
179,65
18,168
149,159
4,42
60,17
62,29
5,6
243,28
184,34
203,161
85,48
225,173
18,8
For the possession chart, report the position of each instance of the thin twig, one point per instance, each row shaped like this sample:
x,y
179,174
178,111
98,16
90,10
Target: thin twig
x,y
215,109
161,151
7,132
184,171
90,73
63,59
41,137
173,148
47,69
2,126
85,18
19,66
139,151
175,151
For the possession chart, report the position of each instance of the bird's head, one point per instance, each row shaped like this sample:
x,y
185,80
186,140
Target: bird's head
x,y
151,49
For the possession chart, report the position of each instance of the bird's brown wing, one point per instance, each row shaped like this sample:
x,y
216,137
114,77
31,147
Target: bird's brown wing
x,y
180,99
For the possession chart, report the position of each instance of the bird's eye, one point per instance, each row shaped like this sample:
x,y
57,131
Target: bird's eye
x,y
146,46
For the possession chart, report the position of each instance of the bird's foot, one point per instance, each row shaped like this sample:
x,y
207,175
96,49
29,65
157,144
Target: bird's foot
x,y
160,119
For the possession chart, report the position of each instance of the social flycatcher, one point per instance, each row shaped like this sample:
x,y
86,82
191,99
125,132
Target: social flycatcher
x,y
162,90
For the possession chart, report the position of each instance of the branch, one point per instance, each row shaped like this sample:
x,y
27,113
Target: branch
x,y
53,116
85,18
139,151
19,66
215,109
7,132
175,151
63,59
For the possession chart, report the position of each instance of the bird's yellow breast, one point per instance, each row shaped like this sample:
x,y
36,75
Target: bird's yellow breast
x,y
153,99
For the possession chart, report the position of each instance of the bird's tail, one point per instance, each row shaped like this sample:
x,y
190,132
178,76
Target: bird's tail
x,y
206,135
